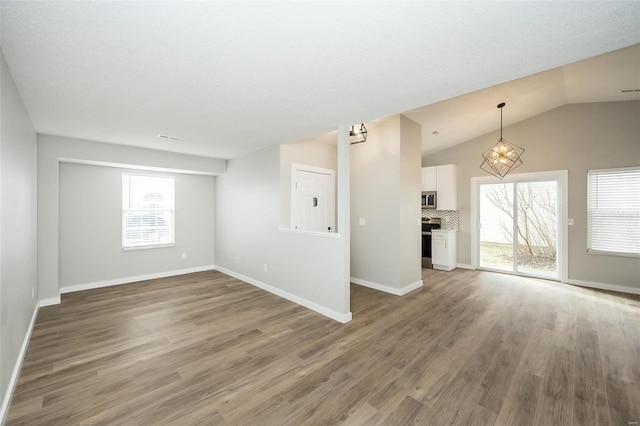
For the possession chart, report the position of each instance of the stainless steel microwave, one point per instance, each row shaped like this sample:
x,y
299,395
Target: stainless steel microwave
x,y
429,200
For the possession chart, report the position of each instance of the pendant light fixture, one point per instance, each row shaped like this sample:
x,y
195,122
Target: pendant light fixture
x,y
502,157
358,134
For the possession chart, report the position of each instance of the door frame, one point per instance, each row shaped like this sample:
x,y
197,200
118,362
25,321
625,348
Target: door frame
x,y
295,167
562,176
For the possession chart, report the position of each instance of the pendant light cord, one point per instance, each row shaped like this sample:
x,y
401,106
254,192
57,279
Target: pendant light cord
x,y
500,105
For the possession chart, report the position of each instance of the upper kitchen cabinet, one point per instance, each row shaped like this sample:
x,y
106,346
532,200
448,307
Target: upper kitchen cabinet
x,y
443,180
429,178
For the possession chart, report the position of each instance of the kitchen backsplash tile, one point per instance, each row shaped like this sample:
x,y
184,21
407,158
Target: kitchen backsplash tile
x,y
449,218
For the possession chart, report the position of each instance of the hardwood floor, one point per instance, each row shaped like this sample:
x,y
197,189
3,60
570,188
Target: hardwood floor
x,y
469,348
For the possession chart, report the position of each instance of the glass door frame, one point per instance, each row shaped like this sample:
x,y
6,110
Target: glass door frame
x,y
561,176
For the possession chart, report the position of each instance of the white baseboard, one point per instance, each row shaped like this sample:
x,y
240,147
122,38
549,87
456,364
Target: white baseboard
x,y
603,286
464,266
343,318
49,302
386,288
16,368
128,280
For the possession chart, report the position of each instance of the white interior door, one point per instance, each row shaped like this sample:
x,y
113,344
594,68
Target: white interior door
x,y
313,199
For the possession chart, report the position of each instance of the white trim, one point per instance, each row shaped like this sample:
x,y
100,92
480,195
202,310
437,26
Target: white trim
x,y
147,247
612,253
138,167
49,302
127,280
603,286
617,169
563,225
386,288
18,365
464,266
343,318
314,233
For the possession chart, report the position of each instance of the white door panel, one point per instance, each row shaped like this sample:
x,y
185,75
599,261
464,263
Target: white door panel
x,y
312,201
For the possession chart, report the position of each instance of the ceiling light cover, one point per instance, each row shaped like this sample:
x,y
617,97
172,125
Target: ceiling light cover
x,y
503,157
358,134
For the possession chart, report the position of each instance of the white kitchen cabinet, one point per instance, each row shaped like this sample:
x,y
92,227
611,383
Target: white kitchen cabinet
x,y
429,178
443,249
444,180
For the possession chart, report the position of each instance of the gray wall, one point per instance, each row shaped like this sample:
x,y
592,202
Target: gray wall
x,y
18,227
385,192
576,138
247,215
53,149
91,227
410,211
308,153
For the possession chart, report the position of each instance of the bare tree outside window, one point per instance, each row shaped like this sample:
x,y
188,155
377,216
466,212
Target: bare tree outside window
x,y
536,228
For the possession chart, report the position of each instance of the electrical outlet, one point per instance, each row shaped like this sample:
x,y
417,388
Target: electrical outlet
x,y
265,267
570,221
184,255
236,259
362,221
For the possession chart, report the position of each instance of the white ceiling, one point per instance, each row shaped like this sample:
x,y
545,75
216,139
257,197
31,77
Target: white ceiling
x,y
228,78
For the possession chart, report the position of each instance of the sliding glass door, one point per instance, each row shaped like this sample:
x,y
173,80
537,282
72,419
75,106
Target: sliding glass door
x,y
518,227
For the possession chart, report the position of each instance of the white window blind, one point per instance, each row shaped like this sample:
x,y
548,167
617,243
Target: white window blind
x,y
148,210
613,212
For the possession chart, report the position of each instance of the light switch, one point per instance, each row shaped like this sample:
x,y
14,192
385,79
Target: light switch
x,y
362,221
570,221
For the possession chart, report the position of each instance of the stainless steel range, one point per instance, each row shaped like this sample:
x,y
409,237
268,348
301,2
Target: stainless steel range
x,y
428,224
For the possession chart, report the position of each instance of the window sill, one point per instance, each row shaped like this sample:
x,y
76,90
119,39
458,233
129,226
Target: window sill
x,y
313,233
154,246
612,253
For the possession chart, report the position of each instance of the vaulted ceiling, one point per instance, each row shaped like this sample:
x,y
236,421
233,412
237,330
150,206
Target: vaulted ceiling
x,y
226,78
610,77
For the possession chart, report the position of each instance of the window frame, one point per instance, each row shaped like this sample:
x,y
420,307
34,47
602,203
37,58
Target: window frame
x,y
171,210
590,224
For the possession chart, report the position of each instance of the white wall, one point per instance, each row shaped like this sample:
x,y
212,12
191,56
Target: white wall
x,y
577,138
90,206
247,211
52,150
18,227
385,192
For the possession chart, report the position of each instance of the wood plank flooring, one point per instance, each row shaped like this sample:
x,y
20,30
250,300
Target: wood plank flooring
x,y
469,348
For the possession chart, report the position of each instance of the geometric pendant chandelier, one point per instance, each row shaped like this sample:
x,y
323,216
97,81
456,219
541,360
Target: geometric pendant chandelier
x,y
502,157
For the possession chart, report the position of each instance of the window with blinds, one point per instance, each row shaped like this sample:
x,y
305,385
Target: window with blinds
x,y
148,211
613,211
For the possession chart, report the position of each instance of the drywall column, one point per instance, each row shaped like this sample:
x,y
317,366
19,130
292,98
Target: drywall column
x,y
385,193
344,208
